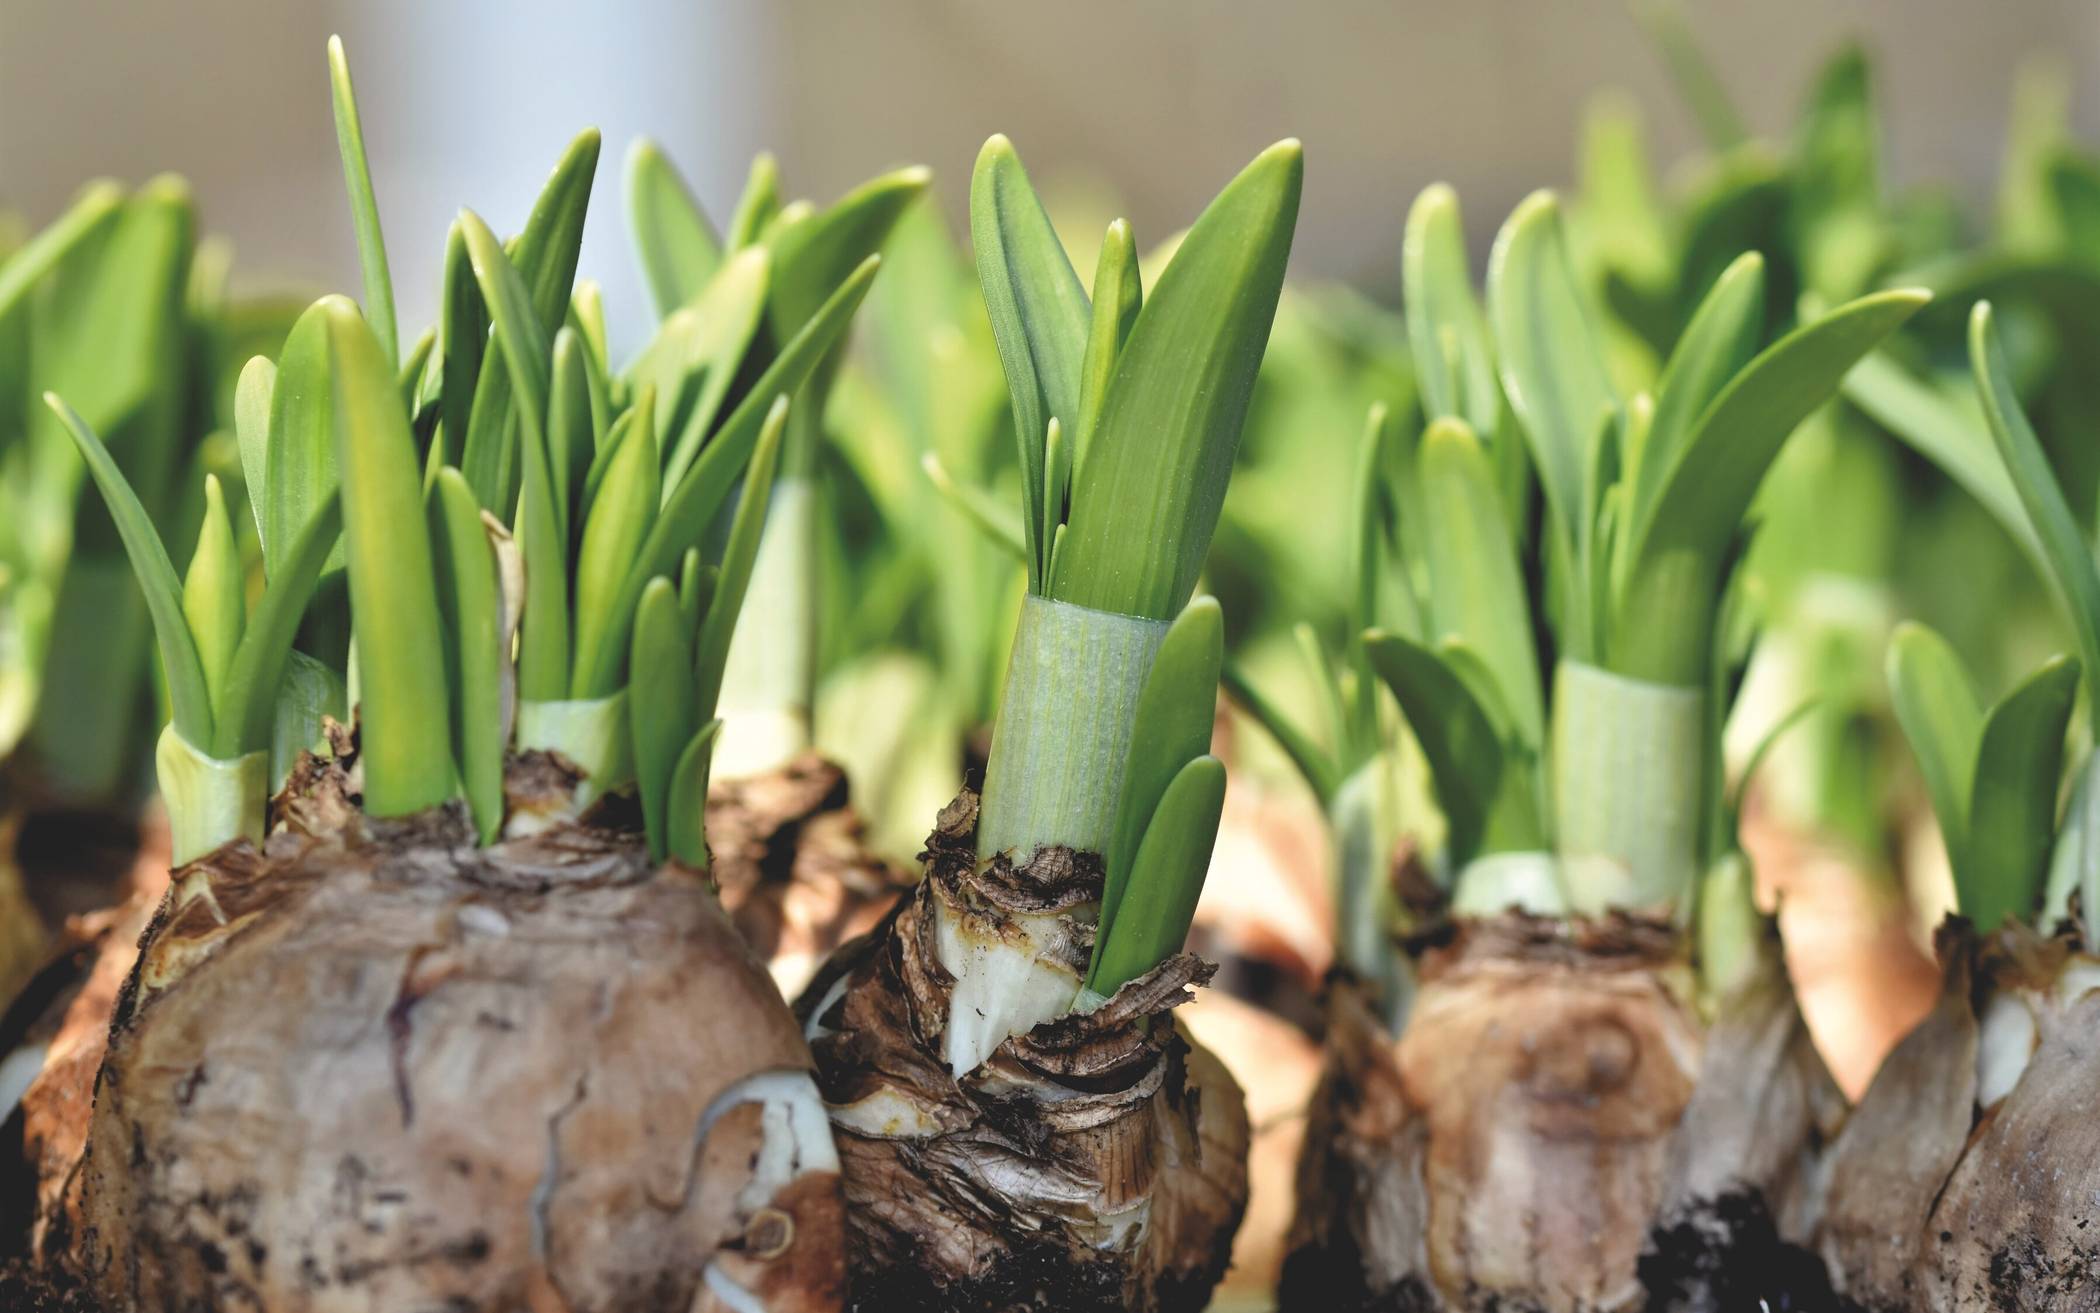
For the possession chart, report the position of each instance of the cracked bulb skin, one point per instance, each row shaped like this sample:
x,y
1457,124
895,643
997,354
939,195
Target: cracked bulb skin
x,y
1557,1128
374,1066
1969,1176
1095,1162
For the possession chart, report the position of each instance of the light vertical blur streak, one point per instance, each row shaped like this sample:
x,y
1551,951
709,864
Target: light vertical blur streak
x,y
470,103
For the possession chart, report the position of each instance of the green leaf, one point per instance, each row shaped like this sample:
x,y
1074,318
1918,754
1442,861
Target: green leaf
x,y
543,647
2074,581
726,319
393,595
1551,361
1663,614
1476,587
1693,73
572,439
364,206
2012,808
1057,478
1039,316
993,518
544,260
259,663
188,694
251,427
685,803
620,517
470,600
463,329
738,556
90,214
300,471
812,257
1465,756
673,242
1444,318
690,508
696,588
1720,340
1951,436
1147,500
1169,729
1313,762
758,204
212,598
409,378
1118,296
660,695
1166,878
1937,708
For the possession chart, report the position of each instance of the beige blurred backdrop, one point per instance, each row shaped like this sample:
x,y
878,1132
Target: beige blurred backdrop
x,y
469,102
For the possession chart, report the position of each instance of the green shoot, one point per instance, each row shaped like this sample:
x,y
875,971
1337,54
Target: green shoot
x,y
673,241
364,206
393,597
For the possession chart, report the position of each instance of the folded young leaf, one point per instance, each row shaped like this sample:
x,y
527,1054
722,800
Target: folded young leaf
x,y
673,242
1118,296
757,205
400,647
471,602
1552,367
2004,859
1147,500
1166,878
1721,338
1170,729
213,597
1446,329
660,697
1476,587
620,517
1040,318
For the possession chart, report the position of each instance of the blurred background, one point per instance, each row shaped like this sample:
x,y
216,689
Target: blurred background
x,y
467,102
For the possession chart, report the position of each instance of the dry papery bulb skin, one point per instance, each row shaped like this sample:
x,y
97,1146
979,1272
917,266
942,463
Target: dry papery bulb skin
x,y
1598,1146
1969,1175
1096,1162
376,1066
792,865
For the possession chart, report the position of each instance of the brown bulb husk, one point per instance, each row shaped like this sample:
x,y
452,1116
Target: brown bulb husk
x,y
792,864
1097,1162
1937,1203
1558,1129
375,1066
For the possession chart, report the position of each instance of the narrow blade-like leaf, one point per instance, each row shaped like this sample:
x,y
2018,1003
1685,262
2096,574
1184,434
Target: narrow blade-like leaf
x,y
364,205
1146,502
400,649
673,242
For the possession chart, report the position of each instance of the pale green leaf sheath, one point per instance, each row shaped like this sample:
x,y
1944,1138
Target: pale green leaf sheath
x,y
1128,416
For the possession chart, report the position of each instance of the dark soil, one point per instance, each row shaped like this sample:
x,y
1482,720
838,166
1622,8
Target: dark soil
x,y
24,1289
1725,1255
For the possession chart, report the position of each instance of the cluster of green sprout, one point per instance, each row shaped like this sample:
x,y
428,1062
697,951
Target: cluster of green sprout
x,y
519,524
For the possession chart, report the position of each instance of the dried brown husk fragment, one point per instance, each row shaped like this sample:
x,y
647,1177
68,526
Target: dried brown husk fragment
x,y
1552,1131
1096,1162
791,859
375,1066
1942,1202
